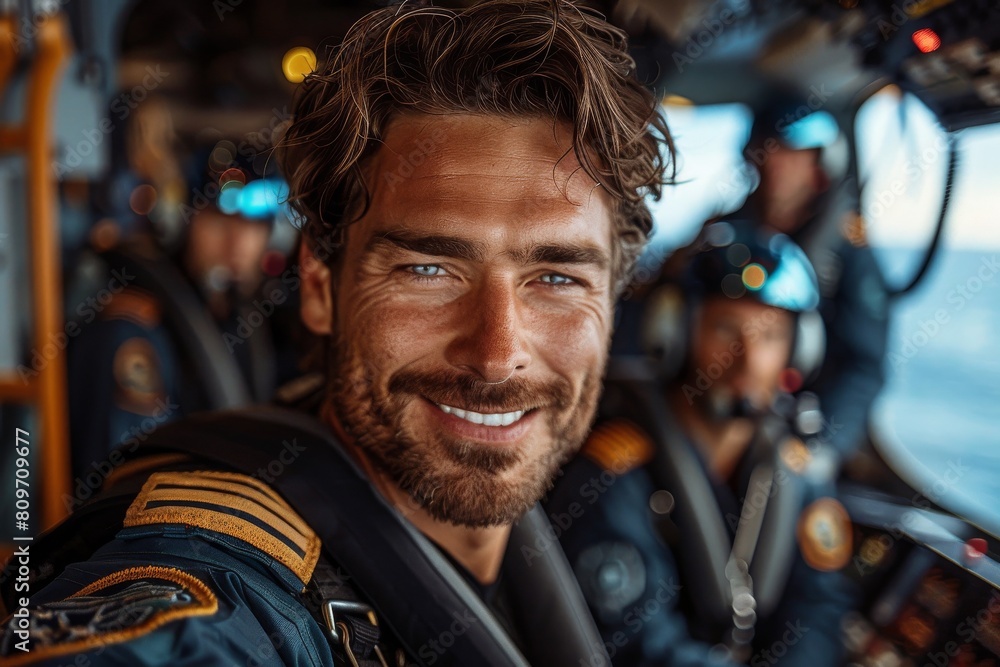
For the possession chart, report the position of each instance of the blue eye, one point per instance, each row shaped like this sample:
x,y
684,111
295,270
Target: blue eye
x,y
556,279
427,270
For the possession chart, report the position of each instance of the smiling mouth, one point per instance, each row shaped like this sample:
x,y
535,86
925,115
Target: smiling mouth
x,y
485,419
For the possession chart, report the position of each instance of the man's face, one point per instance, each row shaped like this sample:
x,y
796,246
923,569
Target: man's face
x,y
744,345
473,310
225,250
790,182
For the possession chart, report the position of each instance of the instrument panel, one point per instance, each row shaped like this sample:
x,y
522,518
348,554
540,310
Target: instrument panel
x,y
930,592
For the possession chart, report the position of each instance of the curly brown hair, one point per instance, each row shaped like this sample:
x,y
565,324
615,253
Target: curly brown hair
x,y
512,58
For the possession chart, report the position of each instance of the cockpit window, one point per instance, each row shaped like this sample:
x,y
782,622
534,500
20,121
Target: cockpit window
x,y
902,163
936,417
712,178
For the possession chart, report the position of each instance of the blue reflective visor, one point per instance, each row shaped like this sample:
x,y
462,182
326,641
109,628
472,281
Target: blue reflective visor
x,y
257,200
740,260
816,130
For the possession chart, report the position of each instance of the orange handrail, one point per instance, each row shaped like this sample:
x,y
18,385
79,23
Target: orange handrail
x,y
15,390
52,48
8,49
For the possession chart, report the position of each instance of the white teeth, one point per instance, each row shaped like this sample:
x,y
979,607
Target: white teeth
x,y
497,419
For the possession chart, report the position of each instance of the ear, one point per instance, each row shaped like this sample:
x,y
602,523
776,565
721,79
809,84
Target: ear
x,y
317,294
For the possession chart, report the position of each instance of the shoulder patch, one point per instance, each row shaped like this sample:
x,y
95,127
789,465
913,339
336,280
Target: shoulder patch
x,y
232,504
119,607
138,383
133,305
825,535
619,446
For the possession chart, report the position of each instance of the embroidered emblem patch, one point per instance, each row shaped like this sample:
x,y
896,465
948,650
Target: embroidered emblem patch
x,y
116,608
825,535
136,369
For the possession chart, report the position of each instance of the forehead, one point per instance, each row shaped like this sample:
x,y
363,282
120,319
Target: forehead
x,y
453,170
722,307
786,155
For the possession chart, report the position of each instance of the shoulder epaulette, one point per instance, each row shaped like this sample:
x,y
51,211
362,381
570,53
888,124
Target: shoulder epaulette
x,y
619,446
854,231
133,305
232,504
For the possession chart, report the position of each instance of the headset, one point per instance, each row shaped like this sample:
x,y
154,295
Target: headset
x,y
739,260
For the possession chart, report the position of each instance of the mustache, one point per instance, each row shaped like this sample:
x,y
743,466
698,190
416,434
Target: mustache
x,y
468,392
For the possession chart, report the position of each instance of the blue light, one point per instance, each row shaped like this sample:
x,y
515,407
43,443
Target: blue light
x,y
262,199
229,200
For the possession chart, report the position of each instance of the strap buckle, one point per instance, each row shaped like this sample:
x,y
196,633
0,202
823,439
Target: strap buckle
x,y
331,607
340,630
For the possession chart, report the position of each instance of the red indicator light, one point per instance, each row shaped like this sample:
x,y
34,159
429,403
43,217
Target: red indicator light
x,y
790,380
273,263
975,549
926,40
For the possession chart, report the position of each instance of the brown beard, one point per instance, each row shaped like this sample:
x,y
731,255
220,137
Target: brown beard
x,y
455,480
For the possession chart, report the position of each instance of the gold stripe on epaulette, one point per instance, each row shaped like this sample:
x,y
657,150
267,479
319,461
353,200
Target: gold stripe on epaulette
x,y
618,446
204,603
853,229
232,504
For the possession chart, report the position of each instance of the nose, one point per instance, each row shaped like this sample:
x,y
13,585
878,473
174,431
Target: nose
x,y
490,341
756,366
750,361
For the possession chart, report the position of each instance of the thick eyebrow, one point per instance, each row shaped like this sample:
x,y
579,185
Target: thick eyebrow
x,y
459,248
434,245
562,253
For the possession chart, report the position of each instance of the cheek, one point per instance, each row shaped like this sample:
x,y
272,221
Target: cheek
x,y
251,243
705,349
572,343
776,358
767,360
392,332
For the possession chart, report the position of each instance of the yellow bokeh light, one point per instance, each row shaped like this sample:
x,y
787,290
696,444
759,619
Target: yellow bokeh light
x,y
754,276
678,101
297,63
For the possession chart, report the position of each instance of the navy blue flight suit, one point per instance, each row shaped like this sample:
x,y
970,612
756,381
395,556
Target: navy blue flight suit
x,y
632,581
854,304
213,575
128,375
123,379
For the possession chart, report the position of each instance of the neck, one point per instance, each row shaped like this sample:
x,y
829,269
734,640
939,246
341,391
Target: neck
x,y
722,443
478,550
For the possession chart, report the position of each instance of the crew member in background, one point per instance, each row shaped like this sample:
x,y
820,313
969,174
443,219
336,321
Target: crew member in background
x,y
801,158
153,353
703,528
